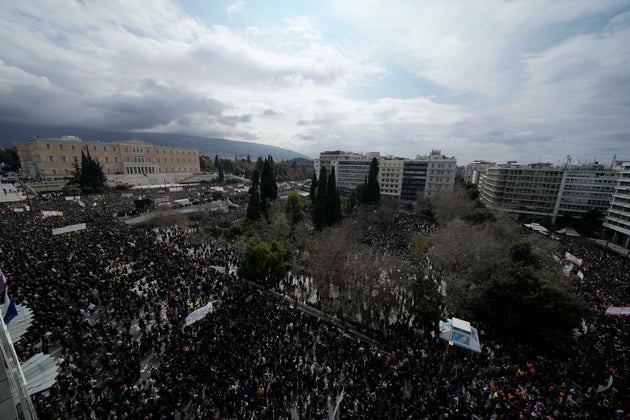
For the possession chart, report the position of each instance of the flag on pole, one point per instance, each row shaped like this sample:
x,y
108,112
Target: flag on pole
x,y
11,312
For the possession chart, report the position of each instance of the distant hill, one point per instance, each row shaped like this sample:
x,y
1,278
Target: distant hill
x,y
11,133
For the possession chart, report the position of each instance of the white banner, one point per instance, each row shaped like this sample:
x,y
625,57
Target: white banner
x,y
199,314
618,311
69,228
48,213
567,269
572,258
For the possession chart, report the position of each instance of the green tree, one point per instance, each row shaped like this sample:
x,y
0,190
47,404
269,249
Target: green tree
x,y
319,212
333,202
294,208
313,189
268,185
253,207
9,159
221,174
259,164
89,174
263,262
216,162
518,303
372,193
427,300
355,199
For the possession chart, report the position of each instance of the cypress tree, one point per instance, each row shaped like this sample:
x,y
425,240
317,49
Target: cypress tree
x,y
372,189
311,193
319,212
254,207
333,203
268,185
259,164
221,174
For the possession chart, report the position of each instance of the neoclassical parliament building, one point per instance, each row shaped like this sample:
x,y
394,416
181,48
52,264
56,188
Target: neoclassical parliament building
x,y
129,161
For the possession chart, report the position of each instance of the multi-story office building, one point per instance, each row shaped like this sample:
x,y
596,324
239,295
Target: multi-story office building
x,y
617,223
390,176
541,190
351,169
123,161
330,158
473,170
414,179
441,171
408,179
350,173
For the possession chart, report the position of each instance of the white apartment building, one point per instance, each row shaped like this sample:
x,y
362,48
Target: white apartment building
x,y
407,179
440,173
617,223
390,175
542,190
473,170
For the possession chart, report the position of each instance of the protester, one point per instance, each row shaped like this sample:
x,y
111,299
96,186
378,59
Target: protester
x,y
110,303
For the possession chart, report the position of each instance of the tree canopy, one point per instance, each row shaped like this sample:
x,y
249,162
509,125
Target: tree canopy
x,y
294,208
253,206
88,175
9,159
263,262
495,276
372,192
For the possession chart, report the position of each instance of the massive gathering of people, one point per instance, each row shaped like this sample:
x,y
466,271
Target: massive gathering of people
x,y
110,303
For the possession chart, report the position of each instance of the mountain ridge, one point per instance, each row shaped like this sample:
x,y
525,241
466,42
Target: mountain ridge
x,y
11,133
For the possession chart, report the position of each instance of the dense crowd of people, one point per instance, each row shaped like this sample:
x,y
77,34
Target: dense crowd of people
x,y
110,304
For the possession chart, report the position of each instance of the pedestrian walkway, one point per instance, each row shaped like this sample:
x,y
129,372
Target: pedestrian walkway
x,y
9,194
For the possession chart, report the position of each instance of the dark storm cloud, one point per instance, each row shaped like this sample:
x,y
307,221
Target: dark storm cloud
x,y
151,102
232,120
269,113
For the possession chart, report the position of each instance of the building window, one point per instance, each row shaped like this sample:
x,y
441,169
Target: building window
x,y
54,171
106,159
72,147
116,159
51,158
94,148
114,148
60,146
104,148
48,146
63,158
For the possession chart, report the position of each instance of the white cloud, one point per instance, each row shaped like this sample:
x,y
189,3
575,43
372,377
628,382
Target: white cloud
x,y
235,8
303,28
496,80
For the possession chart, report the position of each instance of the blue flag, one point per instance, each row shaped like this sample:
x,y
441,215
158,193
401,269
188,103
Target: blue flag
x,y
11,312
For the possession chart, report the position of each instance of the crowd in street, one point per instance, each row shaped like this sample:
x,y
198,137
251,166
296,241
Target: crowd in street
x,y
110,302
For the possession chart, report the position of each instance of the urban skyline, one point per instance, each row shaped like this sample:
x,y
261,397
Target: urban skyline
x,y
527,81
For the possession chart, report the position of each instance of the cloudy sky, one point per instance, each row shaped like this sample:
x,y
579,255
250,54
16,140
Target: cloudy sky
x,y
531,80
